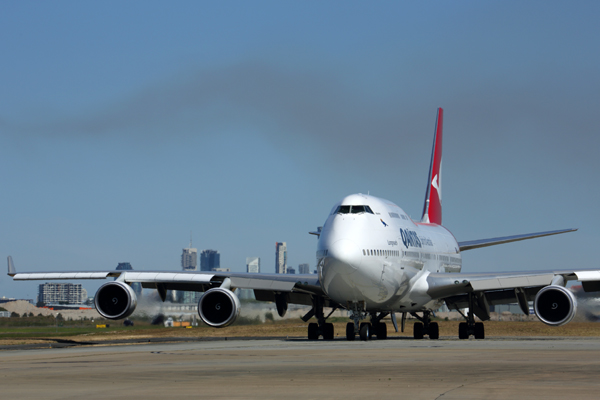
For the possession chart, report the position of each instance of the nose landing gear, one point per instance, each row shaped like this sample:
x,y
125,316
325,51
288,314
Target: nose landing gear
x,y
365,330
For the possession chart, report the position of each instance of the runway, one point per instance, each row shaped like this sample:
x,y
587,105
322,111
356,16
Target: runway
x,y
498,368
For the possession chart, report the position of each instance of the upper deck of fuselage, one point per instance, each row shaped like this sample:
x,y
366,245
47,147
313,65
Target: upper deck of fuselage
x,y
355,206
367,219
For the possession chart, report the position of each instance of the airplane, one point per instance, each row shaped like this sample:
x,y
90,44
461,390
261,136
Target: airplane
x,y
374,261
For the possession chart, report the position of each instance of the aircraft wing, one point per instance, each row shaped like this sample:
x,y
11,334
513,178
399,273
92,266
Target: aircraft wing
x,y
265,286
503,288
475,244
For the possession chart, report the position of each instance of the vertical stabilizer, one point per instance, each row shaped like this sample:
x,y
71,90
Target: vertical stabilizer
x,y
432,209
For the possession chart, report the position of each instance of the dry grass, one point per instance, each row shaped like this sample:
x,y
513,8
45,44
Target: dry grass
x,y
298,329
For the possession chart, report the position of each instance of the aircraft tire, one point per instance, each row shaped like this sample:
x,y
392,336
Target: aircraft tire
x,y
313,331
479,330
418,330
328,332
434,331
463,330
350,335
381,331
365,331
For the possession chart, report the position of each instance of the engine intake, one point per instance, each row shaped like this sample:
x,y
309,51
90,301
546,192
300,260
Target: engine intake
x,y
219,307
555,305
115,300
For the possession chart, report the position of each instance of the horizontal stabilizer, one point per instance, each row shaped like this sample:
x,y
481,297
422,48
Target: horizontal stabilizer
x,y
475,244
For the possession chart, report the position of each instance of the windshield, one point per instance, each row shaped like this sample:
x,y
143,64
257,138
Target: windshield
x,y
354,210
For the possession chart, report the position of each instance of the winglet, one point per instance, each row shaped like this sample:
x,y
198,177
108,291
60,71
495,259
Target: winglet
x,y
11,267
432,209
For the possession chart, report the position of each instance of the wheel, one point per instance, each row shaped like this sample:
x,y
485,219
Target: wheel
x,y
313,331
463,330
350,335
381,330
418,330
434,330
328,331
479,330
365,331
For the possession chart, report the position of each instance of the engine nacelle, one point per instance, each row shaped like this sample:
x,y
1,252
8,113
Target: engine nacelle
x,y
555,305
219,307
115,300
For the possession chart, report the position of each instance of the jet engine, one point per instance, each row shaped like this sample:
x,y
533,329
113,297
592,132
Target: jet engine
x,y
115,300
219,307
555,305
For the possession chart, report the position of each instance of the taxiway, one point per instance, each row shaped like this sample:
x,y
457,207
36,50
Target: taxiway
x,y
498,368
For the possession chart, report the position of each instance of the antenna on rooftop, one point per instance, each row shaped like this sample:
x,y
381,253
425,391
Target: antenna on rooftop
x,y
190,239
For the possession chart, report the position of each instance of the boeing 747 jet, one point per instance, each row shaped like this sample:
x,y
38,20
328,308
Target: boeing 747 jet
x,y
373,261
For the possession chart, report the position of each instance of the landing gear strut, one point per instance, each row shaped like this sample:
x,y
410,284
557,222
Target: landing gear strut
x,y
466,329
425,327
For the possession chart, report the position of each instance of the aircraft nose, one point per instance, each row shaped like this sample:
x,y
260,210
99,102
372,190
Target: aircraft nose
x,y
343,257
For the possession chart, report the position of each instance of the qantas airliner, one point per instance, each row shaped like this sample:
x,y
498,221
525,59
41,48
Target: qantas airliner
x,y
373,261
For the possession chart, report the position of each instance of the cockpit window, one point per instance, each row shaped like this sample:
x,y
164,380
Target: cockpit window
x,y
343,210
354,210
357,209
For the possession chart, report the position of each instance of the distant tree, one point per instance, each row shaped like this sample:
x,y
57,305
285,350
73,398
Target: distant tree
x,y
269,316
30,314
59,317
14,315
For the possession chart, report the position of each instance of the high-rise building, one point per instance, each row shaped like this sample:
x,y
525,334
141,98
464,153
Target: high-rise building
x,y
61,293
253,265
303,269
280,258
291,271
189,259
125,266
210,260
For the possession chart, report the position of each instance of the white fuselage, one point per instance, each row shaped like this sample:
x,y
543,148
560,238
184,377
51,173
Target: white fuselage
x,y
378,257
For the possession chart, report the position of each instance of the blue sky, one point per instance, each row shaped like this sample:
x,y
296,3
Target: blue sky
x,y
124,126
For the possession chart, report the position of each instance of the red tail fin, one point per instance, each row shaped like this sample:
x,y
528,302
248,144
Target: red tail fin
x,y
432,209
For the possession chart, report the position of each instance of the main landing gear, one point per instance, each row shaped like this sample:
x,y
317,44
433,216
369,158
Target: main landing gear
x,y
365,330
319,328
466,329
425,327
